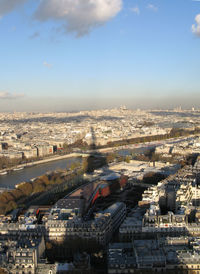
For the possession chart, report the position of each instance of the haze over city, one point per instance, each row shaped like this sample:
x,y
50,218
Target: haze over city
x,y
99,136
66,55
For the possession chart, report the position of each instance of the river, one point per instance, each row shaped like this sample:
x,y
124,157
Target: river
x,y
28,173
24,175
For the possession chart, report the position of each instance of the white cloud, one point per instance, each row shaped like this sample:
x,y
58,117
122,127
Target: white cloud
x,y
47,64
8,95
136,10
196,27
9,5
152,7
79,16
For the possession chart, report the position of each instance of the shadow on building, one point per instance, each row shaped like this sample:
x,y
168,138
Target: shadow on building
x,y
95,159
79,227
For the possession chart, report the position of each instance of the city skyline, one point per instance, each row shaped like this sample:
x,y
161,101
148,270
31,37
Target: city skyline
x,y
98,54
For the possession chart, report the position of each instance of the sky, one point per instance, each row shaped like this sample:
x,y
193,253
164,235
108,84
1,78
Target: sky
x,y
64,55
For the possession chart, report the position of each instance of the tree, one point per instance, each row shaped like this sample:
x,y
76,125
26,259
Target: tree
x,y
111,157
58,180
128,158
6,196
26,188
74,165
2,208
17,193
44,178
3,198
65,146
85,164
51,182
39,187
10,206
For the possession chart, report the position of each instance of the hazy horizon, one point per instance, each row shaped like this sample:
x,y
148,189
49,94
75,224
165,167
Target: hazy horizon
x,y
58,104
66,55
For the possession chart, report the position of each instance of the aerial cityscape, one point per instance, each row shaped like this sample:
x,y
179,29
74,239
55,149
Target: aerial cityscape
x,y
122,197
99,136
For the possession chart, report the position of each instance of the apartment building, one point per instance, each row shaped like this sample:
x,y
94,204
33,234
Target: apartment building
x,y
101,228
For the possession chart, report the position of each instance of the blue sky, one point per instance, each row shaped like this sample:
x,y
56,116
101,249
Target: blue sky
x,y
57,55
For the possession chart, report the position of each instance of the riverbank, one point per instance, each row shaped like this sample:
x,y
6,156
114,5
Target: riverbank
x,y
47,160
88,152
